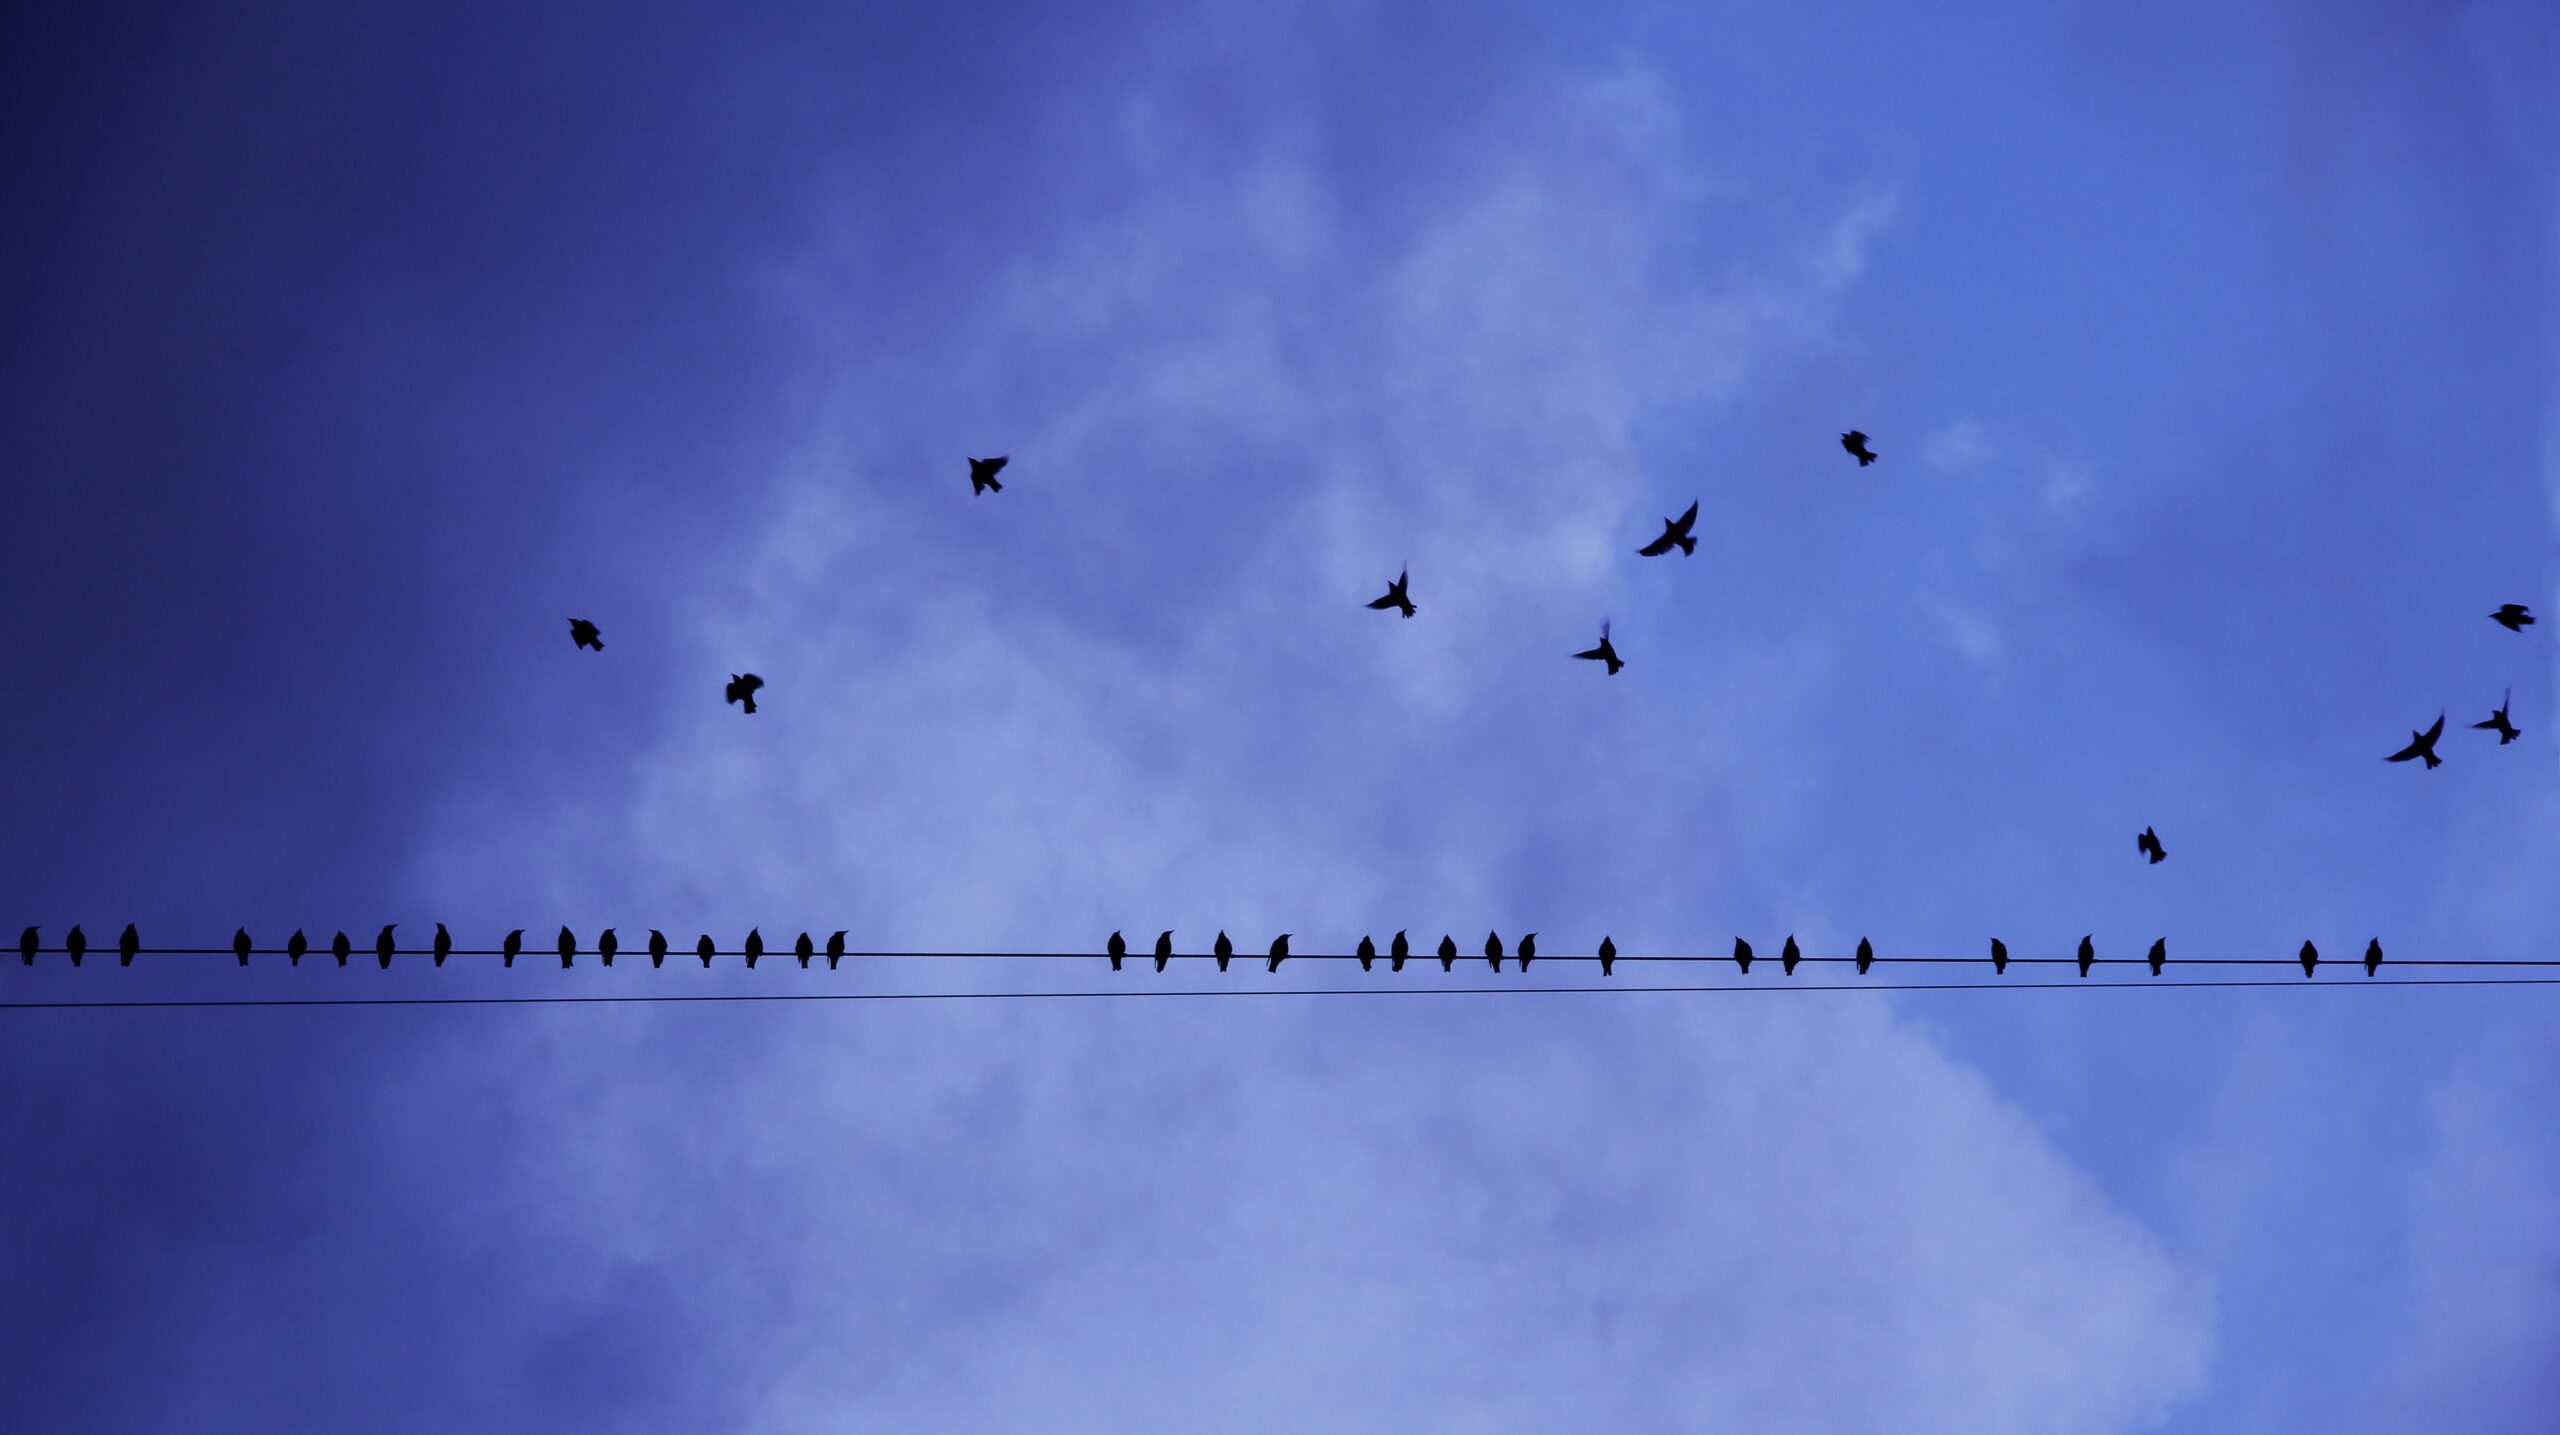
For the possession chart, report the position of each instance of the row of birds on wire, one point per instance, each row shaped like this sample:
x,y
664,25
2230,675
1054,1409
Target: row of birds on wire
x,y
1399,951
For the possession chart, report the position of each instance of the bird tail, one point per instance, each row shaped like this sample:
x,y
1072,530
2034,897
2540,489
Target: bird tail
x,y
2433,761
1865,458
1688,545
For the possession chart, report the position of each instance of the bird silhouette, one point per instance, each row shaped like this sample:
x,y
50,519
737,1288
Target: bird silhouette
x,y
382,948
1448,952
2088,954
1164,950
1279,952
1742,955
2514,617
1116,948
444,944
2422,744
982,475
127,945
705,950
1999,957
1493,950
755,946
835,950
1398,952
240,945
27,943
657,948
568,946
2149,842
804,949
340,947
513,944
1856,443
1789,955
1223,949
607,944
1368,954
1675,534
1528,950
584,634
2507,732
1866,956
2372,956
742,689
2159,955
1608,955
2310,958
77,944
1607,652
295,946
1397,598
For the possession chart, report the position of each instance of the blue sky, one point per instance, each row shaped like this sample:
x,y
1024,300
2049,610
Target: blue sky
x,y
2209,351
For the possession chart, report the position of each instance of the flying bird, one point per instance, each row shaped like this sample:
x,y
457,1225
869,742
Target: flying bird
x,y
2507,732
1116,948
1493,950
1608,955
584,634
1789,955
2310,958
742,689
755,946
1856,443
705,950
1397,598
294,947
127,945
2149,842
382,947
240,945
2088,954
1164,950
1866,956
1742,955
804,949
2159,955
1528,950
513,945
1279,952
27,943
1607,652
982,475
2372,956
607,944
568,946
1448,952
1675,534
835,950
444,944
77,944
1223,949
2514,617
1398,952
1999,957
1368,954
657,948
2422,744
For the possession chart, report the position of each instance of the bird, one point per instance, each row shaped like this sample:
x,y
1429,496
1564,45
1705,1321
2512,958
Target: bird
x,y
2372,956
2310,958
982,475
1742,955
1999,957
1493,950
1856,443
127,945
742,689
382,947
2507,732
2159,955
513,945
1608,955
584,634
755,946
1223,949
27,943
240,945
444,944
294,947
2422,744
705,950
1116,947
1675,534
1448,952
1866,956
2149,842
804,949
339,947
607,944
568,946
1368,953
1279,952
835,950
657,948
2088,954
1398,952
2514,617
1528,950
77,944
1397,598
1607,652
1789,955
1164,950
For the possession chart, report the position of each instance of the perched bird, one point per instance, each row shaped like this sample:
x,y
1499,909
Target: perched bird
x,y
2310,958
657,948
77,944
1398,952
835,950
127,945
1742,955
1116,948
2372,956
2514,617
27,943
1223,949
1448,952
2497,723
513,944
1493,950
1999,957
982,475
1397,598
705,950
1528,950
382,948
742,689
2422,744
1856,443
1164,950
1279,952
584,634
2149,842
1368,954
1675,534
240,945
1607,652
444,944
755,946
339,947
607,944
2159,955
2088,954
294,947
1789,955
568,946
1608,955
804,949
1866,956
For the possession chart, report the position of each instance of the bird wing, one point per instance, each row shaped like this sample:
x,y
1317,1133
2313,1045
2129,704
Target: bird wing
x,y
1388,601
1684,520
1661,545
1601,652
2438,730
2406,753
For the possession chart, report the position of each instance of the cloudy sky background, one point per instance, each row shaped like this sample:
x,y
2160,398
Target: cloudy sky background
x,y
2209,350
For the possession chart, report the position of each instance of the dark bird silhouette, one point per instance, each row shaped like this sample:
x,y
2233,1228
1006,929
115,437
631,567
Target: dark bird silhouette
x,y
2422,744
1448,952
2159,955
1368,954
1400,950
1999,957
584,634
444,944
1397,598
1742,955
2372,956
77,944
1116,948
2088,954
2310,958
607,944
2507,732
2514,617
340,947
295,946
1856,443
127,945
382,948
1608,955
1164,950
657,948
1607,652
1493,950
742,689
1528,950
568,946
1675,534
1866,956
1789,955
755,946
1279,952
513,944
2149,842
705,950
27,943
982,475
804,949
835,950
1223,949
240,945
